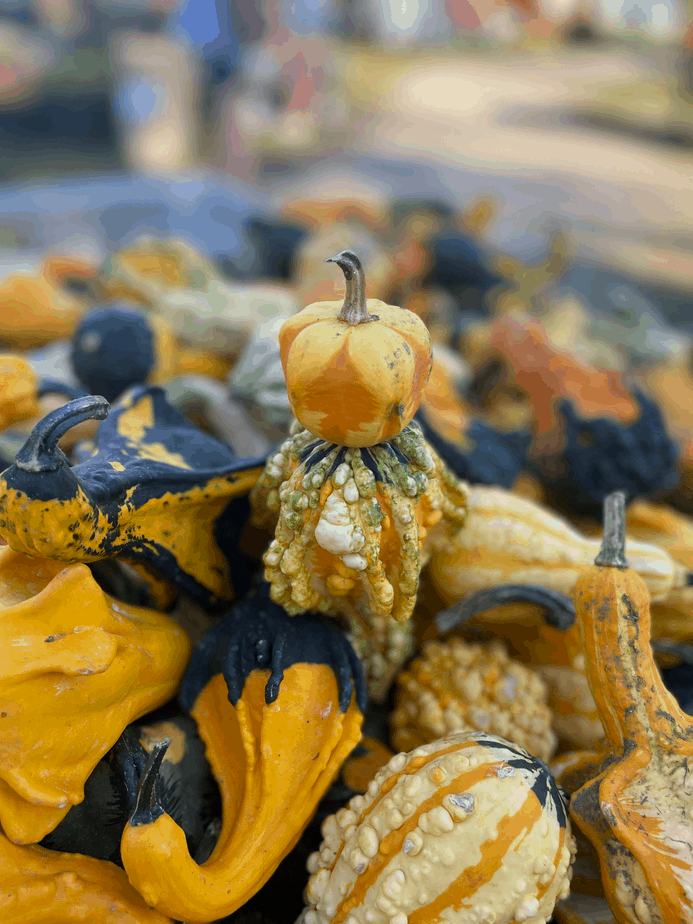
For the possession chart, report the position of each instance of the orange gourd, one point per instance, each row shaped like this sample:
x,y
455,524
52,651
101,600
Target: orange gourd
x,y
77,667
18,390
355,372
39,886
273,761
636,810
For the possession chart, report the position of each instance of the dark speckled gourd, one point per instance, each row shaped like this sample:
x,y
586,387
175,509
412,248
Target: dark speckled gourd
x,y
156,492
279,702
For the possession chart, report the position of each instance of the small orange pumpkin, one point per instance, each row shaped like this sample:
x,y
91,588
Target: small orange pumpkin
x,y
355,378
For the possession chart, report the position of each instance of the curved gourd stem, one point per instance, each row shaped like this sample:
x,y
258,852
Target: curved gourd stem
x,y
354,309
559,611
147,808
50,386
40,453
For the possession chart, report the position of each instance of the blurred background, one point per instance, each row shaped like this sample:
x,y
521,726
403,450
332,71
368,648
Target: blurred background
x,y
565,113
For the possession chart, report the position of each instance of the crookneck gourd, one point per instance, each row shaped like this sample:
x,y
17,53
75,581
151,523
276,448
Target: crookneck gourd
x,y
637,810
77,667
278,702
185,789
467,828
157,492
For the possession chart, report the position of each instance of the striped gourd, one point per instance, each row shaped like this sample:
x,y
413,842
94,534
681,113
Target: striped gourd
x,y
469,828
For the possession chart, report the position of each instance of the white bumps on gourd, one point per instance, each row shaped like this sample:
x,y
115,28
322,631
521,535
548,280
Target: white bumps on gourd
x,y
468,829
454,685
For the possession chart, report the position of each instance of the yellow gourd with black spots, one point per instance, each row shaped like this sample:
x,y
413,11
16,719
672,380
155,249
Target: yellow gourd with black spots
x,y
356,372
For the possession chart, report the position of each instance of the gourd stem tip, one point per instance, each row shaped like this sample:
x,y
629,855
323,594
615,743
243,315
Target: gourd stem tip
x,y
613,550
354,309
147,808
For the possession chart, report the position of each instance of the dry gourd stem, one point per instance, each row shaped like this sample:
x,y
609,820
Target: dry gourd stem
x,y
354,309
613,550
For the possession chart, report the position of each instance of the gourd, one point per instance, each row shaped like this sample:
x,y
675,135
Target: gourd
x,y
355,372
175,283
278,702
467,825
39,886
353,533
36,307
77,667
511,539
187,791
18,390
473,449
115,347
636,810
454,686
157,492
590,426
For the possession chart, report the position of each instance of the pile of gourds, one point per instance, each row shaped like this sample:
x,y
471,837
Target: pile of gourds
x,y
194,638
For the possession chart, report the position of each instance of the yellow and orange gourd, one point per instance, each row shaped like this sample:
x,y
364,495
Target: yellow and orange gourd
x,y
453,686
355,372
77,667
636,808
359,495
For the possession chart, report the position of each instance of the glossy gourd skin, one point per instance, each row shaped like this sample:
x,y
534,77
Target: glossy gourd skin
x,y
468,823
636,811
278,701
185,788
355,373
77,668
157,492
40,886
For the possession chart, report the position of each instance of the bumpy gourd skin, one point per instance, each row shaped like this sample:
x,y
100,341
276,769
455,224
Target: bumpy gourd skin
x,y
71,678
278,702
355,528
636,811
467,825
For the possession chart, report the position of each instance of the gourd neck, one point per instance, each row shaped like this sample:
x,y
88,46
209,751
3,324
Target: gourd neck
x,y
354,310
636,708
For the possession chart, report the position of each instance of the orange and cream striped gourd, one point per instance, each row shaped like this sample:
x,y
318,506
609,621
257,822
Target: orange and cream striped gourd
x,y
355,372
468,828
